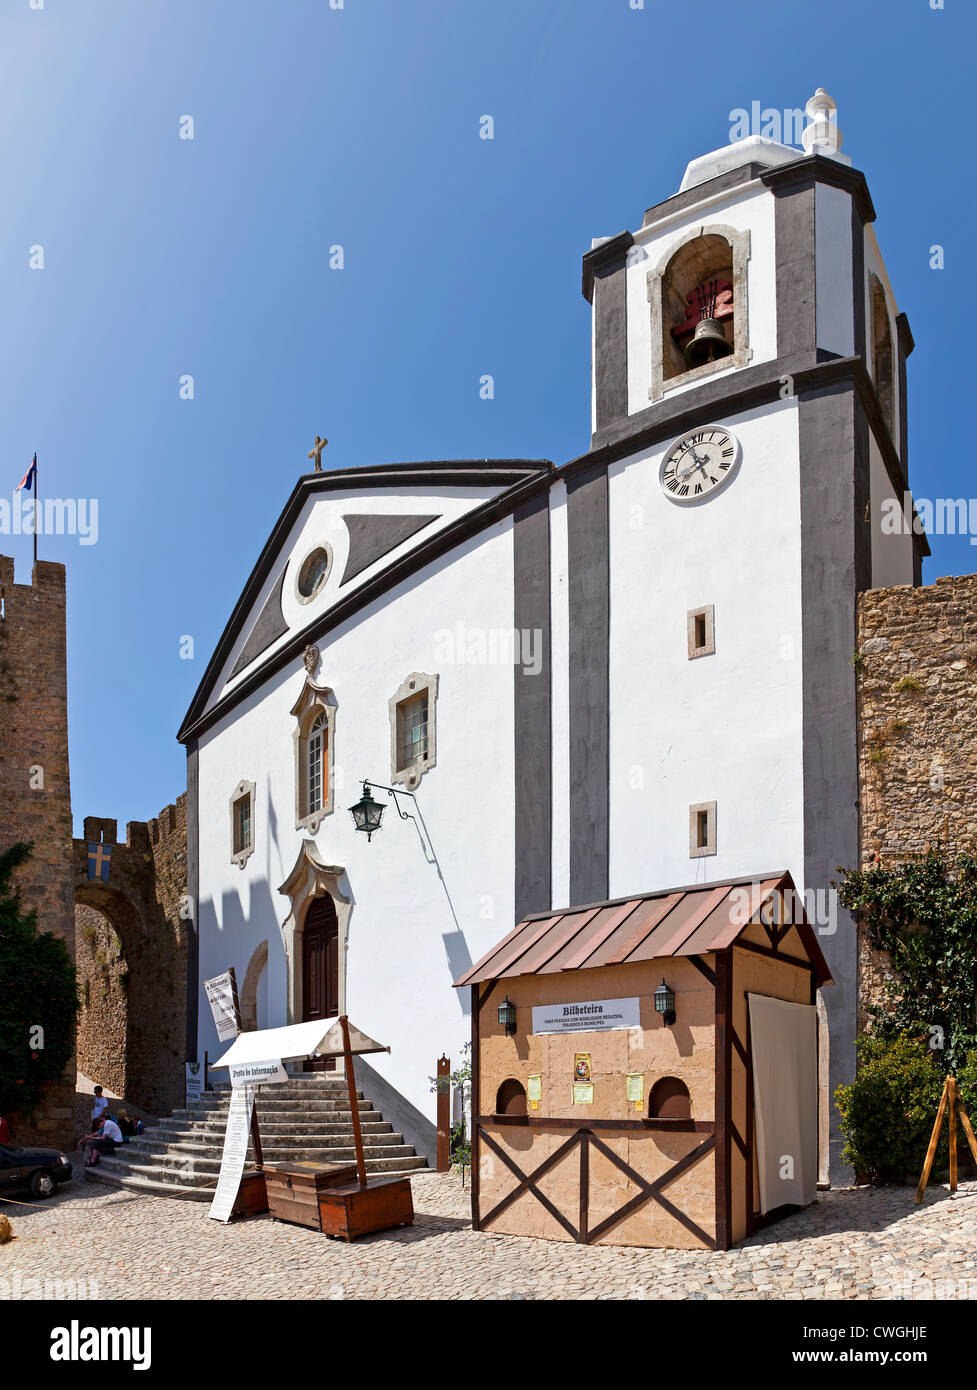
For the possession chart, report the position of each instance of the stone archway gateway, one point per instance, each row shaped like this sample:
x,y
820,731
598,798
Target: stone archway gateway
x,y
130,943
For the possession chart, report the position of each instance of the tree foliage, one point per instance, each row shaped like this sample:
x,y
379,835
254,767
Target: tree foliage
x,y
923,914
38,997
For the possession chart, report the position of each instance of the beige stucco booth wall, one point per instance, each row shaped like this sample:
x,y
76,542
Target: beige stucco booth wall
x,y
686,1050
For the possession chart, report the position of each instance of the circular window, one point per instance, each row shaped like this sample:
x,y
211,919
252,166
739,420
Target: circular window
x,y
313,574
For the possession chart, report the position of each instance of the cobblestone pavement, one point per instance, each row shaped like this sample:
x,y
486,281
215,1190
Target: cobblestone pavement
x,y
856,1243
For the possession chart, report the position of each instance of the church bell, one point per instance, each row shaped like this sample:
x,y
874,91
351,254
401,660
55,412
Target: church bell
x,y
707,344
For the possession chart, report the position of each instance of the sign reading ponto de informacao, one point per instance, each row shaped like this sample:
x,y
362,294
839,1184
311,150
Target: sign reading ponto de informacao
x,y
257,1073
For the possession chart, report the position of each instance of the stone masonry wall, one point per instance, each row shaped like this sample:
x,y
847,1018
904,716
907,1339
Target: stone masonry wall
x,y
35,798
133,1024
917,718
103,987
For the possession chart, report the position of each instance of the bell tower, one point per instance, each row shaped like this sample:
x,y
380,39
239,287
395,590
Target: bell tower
x,y
748,424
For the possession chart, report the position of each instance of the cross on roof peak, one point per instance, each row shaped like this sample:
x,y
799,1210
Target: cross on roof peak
x,y
316,452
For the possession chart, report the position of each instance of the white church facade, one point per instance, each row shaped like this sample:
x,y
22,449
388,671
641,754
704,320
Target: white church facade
x,y
628,673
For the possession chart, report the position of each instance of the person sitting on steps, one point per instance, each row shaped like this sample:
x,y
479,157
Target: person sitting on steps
x,y
102,1142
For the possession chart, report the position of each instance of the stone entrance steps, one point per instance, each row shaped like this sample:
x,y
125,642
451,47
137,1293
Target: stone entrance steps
x,y
305,1120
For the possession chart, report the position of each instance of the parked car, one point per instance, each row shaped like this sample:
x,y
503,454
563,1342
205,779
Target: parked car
x,y
37,1171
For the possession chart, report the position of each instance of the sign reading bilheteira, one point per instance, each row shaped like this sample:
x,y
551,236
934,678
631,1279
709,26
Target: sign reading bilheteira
x,y
586,1016
220,997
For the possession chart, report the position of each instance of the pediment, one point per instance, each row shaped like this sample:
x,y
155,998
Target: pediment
x,y
378,527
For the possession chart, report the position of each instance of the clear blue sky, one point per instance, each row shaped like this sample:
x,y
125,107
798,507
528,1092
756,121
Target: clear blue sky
x,y
359,126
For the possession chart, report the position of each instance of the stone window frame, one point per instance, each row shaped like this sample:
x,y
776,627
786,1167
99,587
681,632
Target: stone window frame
x,y
243,789
708,648
313,700
697,809
739,243
417,683
312,878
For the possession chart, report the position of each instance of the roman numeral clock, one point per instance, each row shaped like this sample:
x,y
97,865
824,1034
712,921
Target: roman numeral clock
x,y
699,464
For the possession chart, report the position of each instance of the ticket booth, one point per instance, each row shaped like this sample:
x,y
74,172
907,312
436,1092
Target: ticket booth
x,y
644,1071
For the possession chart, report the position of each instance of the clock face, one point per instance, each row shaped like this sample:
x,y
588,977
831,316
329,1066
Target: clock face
x,y
699,463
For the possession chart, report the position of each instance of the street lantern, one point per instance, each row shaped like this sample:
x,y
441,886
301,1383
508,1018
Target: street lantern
x,y
367,813
507,1016
665,1003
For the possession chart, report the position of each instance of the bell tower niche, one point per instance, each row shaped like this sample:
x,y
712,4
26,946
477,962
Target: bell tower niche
x,y
697,298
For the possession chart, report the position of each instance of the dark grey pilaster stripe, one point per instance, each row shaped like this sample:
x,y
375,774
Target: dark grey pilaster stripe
x,y
533,734
863,497
794,244
193,893
611,342
905,343
589,604
858,280
830,779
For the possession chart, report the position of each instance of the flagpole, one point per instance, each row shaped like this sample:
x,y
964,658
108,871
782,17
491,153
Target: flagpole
x,y
35,509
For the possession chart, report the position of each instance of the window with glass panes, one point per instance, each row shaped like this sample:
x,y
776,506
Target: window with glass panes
x,y
317,770
242,824
412,730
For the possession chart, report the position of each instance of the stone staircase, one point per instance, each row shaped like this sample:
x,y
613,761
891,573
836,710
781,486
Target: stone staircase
x,y
306,1119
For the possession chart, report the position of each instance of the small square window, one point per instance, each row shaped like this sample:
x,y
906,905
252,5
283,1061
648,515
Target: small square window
x,y
701,625
702,829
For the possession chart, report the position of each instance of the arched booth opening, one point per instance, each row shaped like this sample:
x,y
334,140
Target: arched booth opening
x,y
670,1100
510,1099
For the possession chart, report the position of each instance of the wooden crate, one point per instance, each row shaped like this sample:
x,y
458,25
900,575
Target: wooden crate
x,y
293,1189
252,1196
351,1210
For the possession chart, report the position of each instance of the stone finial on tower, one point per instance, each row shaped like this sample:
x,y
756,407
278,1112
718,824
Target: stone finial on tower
x,y
822,135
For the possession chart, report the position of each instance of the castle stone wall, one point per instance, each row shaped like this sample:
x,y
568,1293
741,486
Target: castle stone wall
x,y
35,796
917,718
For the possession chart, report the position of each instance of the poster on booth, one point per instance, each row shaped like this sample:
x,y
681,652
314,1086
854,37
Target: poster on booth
x,y
220,997
235,1152
195,1083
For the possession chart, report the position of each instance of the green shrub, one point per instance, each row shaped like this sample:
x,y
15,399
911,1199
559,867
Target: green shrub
x,y
923,915
967,1086
38,998
888,1111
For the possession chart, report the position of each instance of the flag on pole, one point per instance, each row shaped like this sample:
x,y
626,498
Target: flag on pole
x,y
30,477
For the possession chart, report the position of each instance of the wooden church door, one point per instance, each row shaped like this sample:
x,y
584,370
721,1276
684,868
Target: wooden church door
x,y
320,968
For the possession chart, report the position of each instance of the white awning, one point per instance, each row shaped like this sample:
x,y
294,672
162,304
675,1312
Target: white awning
x,y
318,1037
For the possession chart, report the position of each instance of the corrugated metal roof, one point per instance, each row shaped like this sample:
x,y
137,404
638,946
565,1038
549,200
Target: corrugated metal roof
x,y
651,926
